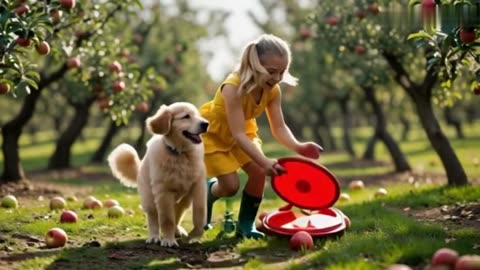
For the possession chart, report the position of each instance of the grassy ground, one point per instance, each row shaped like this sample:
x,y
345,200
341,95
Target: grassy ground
x,y
407,226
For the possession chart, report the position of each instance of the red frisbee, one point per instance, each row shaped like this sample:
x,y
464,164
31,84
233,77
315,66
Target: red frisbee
x,y
306,185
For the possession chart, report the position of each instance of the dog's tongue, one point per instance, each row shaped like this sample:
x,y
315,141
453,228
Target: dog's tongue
x,y
196,137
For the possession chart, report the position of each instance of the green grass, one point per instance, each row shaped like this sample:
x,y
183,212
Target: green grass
x,y
381,232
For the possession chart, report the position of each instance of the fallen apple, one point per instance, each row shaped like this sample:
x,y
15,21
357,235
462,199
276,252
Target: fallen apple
x,y
356,185
57,203
68,217
56,237
344,197
262,216
71,198
110,202
87,201
9,201
116,211
301,240
95,204
380,192
444,256
468,262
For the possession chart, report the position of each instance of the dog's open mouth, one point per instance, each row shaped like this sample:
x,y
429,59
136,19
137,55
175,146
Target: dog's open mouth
x,y
194,138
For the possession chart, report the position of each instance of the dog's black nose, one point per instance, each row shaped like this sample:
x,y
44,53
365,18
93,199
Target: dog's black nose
x,y
204,126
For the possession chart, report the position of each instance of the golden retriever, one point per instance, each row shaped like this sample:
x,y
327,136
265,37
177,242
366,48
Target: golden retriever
x,y
171,176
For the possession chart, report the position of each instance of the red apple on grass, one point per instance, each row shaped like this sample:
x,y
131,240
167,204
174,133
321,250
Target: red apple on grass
x,y
116,211
356,185
468,262
57,203
71,198
56,237
380,192
92,203
301,240
344,197
444,257
4,88
68,217
110,202
9,201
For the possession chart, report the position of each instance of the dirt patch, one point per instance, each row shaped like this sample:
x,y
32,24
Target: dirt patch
x,y
450,216
35,189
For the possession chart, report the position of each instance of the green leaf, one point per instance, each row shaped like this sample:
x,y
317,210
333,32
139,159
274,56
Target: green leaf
x,y
30,82
421,34
412,3
33,75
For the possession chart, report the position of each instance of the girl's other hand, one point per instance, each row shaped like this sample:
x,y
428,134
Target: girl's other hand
x,y
272,167
309,150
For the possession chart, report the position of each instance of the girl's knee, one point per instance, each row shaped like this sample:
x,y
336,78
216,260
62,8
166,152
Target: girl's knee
x,y
231,189
256,172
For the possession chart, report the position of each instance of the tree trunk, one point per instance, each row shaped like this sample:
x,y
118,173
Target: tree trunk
x,y
99,155
347,126
61,157
11,131
369,153
453,121
422,97
405,127
399,160
455,172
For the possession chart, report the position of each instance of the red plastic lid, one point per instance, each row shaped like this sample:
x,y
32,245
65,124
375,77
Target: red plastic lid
x,y
306,184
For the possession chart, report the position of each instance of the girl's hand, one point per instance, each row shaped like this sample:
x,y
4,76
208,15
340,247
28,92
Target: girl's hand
x,y
309,150
272,167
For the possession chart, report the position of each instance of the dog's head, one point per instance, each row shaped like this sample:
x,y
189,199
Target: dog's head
x,y
180,122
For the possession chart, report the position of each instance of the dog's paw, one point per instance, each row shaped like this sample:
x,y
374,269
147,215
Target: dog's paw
x,y
195,235
168,243
193,240
181,232
153,240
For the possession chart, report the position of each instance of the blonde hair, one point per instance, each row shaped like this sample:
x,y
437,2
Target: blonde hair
x,y
251,72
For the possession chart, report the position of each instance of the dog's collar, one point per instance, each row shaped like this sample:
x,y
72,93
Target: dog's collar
x,y
171,149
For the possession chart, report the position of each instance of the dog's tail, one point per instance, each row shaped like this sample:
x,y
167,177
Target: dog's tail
x,y
125,163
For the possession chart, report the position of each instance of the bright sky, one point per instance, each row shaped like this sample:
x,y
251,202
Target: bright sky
x,y
220,58
240,31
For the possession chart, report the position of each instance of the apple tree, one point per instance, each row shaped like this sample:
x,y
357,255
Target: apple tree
x,y
383,30
73,39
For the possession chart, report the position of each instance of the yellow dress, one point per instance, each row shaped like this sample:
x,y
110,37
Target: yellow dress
x,y
222,154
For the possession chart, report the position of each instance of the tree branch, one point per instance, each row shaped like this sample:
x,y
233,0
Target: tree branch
x,y
401,75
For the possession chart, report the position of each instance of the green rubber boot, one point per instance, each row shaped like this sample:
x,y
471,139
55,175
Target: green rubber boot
x,y
246,218
210,200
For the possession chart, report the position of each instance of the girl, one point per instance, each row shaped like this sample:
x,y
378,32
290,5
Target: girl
x,y
231,141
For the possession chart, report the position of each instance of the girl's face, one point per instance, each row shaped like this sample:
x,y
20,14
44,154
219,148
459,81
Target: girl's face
x,y
276,66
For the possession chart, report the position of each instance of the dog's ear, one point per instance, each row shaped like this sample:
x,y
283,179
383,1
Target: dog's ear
x,y
160,122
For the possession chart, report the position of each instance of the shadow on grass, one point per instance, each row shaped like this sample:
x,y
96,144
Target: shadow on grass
x,y
135,254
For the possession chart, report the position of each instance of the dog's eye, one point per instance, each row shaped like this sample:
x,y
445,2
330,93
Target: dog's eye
x,y
186,116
